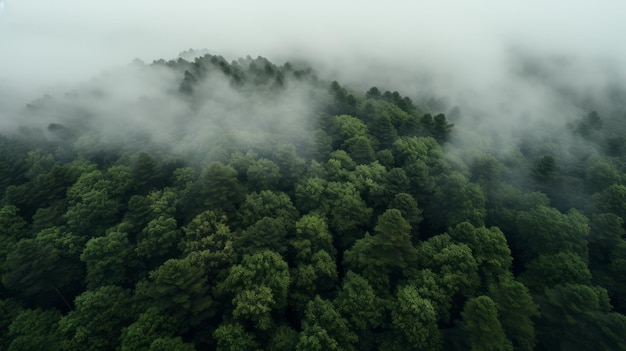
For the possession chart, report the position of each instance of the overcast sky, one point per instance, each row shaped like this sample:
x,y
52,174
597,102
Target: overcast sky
x,y
46,42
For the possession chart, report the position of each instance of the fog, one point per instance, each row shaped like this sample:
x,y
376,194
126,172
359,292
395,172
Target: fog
x,y
505,64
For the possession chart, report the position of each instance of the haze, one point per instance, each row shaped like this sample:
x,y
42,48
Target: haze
x,y
465,52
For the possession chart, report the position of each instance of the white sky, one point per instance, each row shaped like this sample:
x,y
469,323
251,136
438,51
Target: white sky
x,y
46,42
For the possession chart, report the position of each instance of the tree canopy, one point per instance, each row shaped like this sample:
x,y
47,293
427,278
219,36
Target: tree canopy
x,y
361,222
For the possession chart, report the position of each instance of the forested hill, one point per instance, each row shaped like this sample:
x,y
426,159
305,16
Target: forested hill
x,y
215,205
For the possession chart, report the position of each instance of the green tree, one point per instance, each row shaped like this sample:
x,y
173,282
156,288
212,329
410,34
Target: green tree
x,y
12,229
268,204
382,258
339,166
220,188
259,286
578,317
146,172
456,200
480,322
264,175
602,174
516,310
233,337
179,287
453,264
360,149
34,330
45,268
348,214
383,129
109,259
323,326
358,303
158,240
312,235
611,200
549,270
315,275
266,234
545,231
95,200
149,326
97,321
408,208
414,322
489,248
171,343
309,195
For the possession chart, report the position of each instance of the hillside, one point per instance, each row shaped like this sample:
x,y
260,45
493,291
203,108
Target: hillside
x,y
201,203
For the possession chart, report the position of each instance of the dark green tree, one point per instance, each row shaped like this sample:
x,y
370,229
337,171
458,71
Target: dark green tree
x,y
516,310
97,321
34,330
481,324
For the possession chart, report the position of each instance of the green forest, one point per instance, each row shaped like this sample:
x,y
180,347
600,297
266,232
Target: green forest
x,y
364,225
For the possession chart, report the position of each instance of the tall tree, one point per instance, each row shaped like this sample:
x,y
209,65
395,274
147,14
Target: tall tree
x,y
480,322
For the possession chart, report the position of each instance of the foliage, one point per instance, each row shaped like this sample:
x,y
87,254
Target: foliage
x,y
366,225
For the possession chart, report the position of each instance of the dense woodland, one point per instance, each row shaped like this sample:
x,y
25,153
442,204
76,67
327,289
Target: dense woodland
x,y
367,228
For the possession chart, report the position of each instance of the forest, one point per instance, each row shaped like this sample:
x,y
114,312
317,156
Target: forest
x,y
204,204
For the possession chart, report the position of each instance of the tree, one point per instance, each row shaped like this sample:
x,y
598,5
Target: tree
x,y
339,166
602,174
453,264
179,287
546,271
109,259
323,326
270,204
266,234
370,181
12,230
373,93
441,129
360,149
346,127
348,213
611,200
578,317
45,268
408,208
489,248
158,240
264,175
95,200
146,172
480,322
149,326
436,289
233,337
309,194
220,188
358,303
171,343
545,231
34,330
312,235
383,129
456,200
315,275
97,321
516,309
414,322
393,240
259,287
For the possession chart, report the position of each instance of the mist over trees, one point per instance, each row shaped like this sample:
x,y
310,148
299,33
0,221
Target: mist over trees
x,y
201,203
